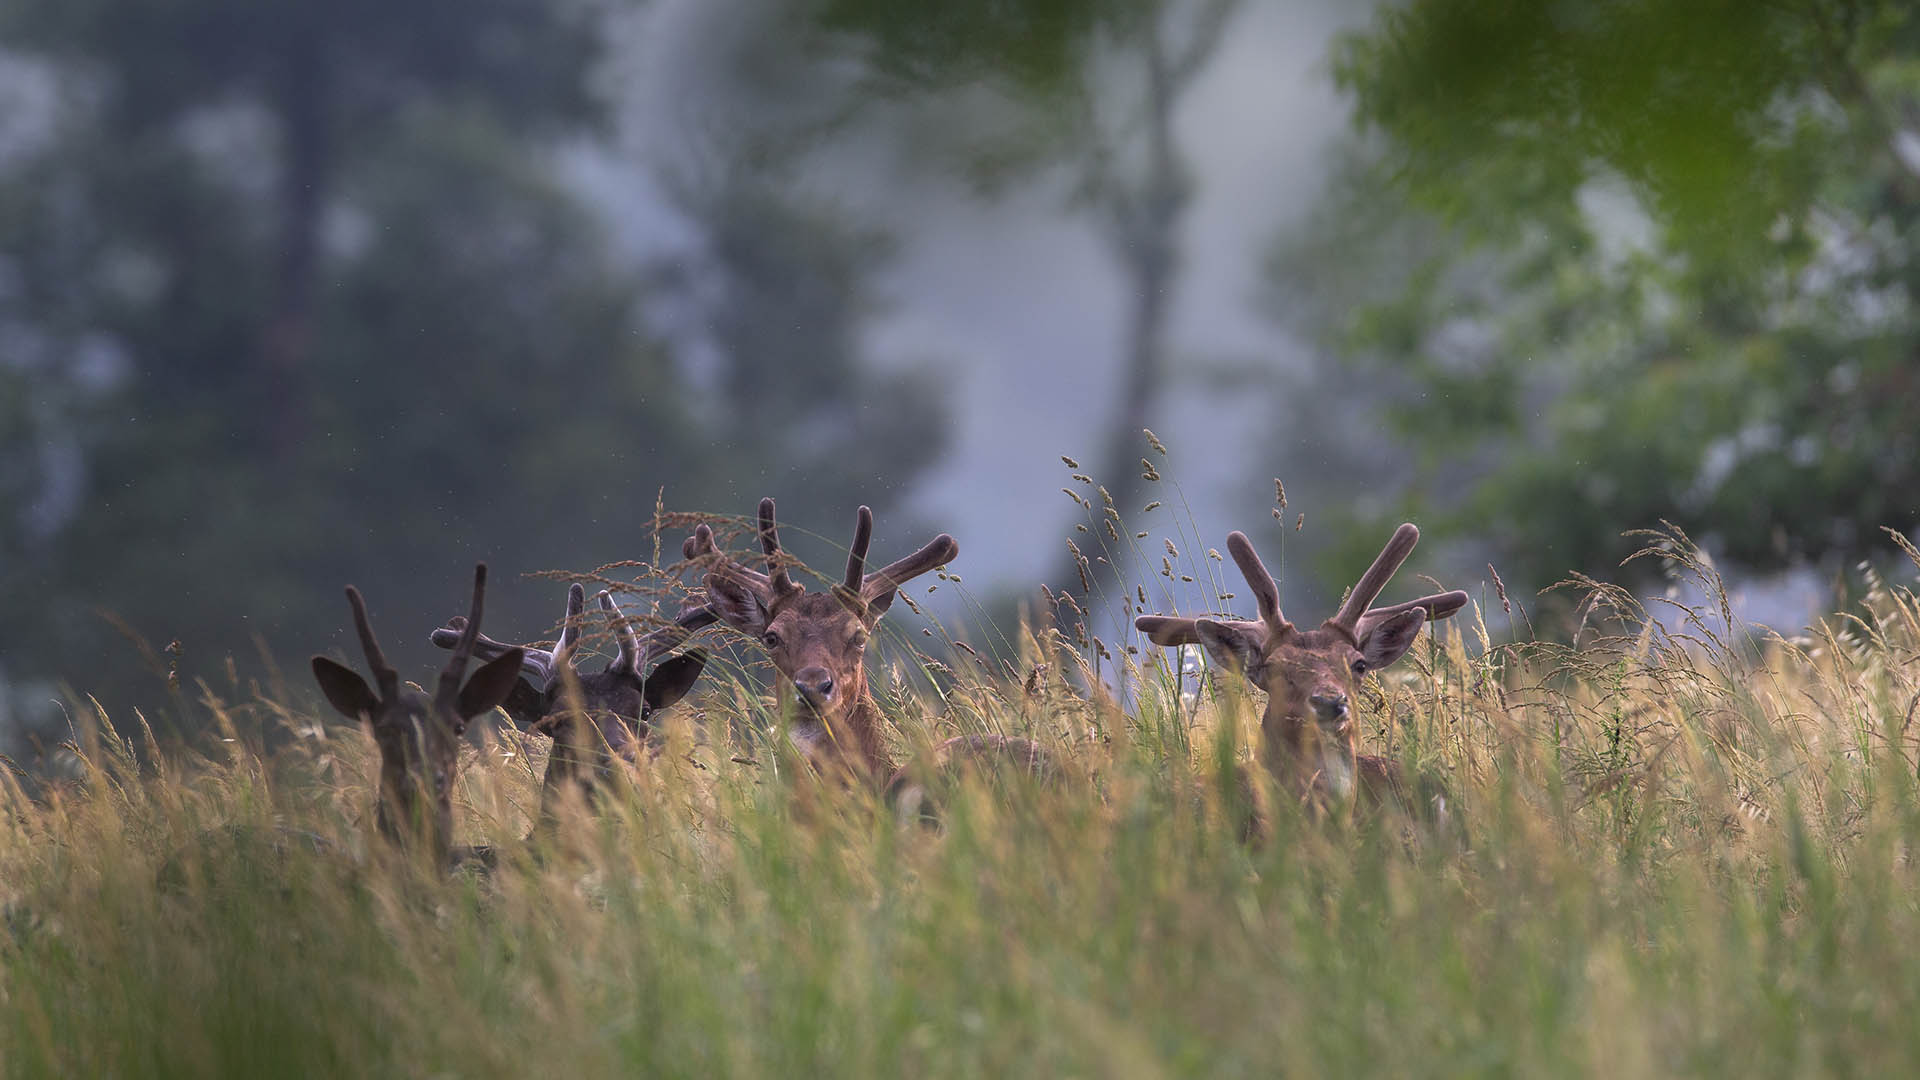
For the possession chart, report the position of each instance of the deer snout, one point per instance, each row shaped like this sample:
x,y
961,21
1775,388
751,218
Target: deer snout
x,y
1331,709
815,685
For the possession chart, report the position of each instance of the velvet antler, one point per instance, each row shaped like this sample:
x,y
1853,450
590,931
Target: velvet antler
x,y
876,590
450,677
384,674
637,651
772,587
1265,591
1376,578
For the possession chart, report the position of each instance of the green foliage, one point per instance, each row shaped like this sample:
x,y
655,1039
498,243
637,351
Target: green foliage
x,y
1489,96
1622,262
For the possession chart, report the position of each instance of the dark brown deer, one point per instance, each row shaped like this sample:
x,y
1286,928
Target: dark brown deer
x,y
419,736
818,643
1308,740
616,704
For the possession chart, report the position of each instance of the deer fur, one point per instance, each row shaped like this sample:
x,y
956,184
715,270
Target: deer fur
x,y
418,736
817,642
1308,739
595,719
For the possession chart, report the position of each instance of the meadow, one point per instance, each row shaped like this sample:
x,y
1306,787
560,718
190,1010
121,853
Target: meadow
x,y
1687,850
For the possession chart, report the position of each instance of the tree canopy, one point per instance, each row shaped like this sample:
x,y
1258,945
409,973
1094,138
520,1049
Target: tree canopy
x,y
297,295
1619,262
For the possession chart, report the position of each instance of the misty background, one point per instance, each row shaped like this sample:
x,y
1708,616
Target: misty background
x,y
299,295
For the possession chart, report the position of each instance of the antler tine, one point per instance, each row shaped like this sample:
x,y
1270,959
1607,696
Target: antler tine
x,y
857,554
383,672
622,633
777,578
1438,606
691,621
700,543
570,627
695,619
1168,629
463,648
940,551
533,661
1376,577
1265,590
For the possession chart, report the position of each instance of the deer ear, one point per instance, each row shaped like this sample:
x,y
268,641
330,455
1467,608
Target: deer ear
x,y
1232,645
670,680
345,689
1390,640
737,604
491,684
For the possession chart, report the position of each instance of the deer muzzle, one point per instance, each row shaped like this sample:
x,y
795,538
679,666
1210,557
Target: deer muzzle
x,y
1331,710
815,685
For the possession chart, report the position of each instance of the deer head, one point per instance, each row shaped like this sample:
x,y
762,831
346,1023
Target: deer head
x,y
617,703
418,736
622,697
818,641
1310,676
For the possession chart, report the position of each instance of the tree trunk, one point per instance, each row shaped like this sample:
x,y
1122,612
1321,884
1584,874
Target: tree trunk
x,y
1146,218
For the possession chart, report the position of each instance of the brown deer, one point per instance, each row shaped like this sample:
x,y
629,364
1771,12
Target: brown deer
x,y
616,704
419,736
818,644
1308,741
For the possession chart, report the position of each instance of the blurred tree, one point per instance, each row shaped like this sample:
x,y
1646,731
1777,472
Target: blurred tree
x,y
777,292
293,297
1612,263
333,82
1099,84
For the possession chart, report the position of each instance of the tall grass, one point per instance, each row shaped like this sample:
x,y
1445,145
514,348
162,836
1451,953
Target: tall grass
x,y
1689,851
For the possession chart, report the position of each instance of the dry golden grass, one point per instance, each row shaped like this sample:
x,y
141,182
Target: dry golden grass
x,y
1688,851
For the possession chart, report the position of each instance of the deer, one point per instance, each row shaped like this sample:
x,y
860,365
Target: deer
x,y
817,642
418,735
616,704
1308,739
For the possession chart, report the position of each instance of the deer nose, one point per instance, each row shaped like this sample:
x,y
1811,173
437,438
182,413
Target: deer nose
x,y
815,684
1331,707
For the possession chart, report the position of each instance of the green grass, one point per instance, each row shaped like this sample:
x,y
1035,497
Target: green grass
x,y
1689,854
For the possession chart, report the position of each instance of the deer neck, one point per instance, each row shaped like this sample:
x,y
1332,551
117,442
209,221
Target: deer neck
x,y
583,752
1381,782
1309,761
1335,770
409,811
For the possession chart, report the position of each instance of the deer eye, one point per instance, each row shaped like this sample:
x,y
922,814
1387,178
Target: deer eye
x,y
771,639
1359,665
